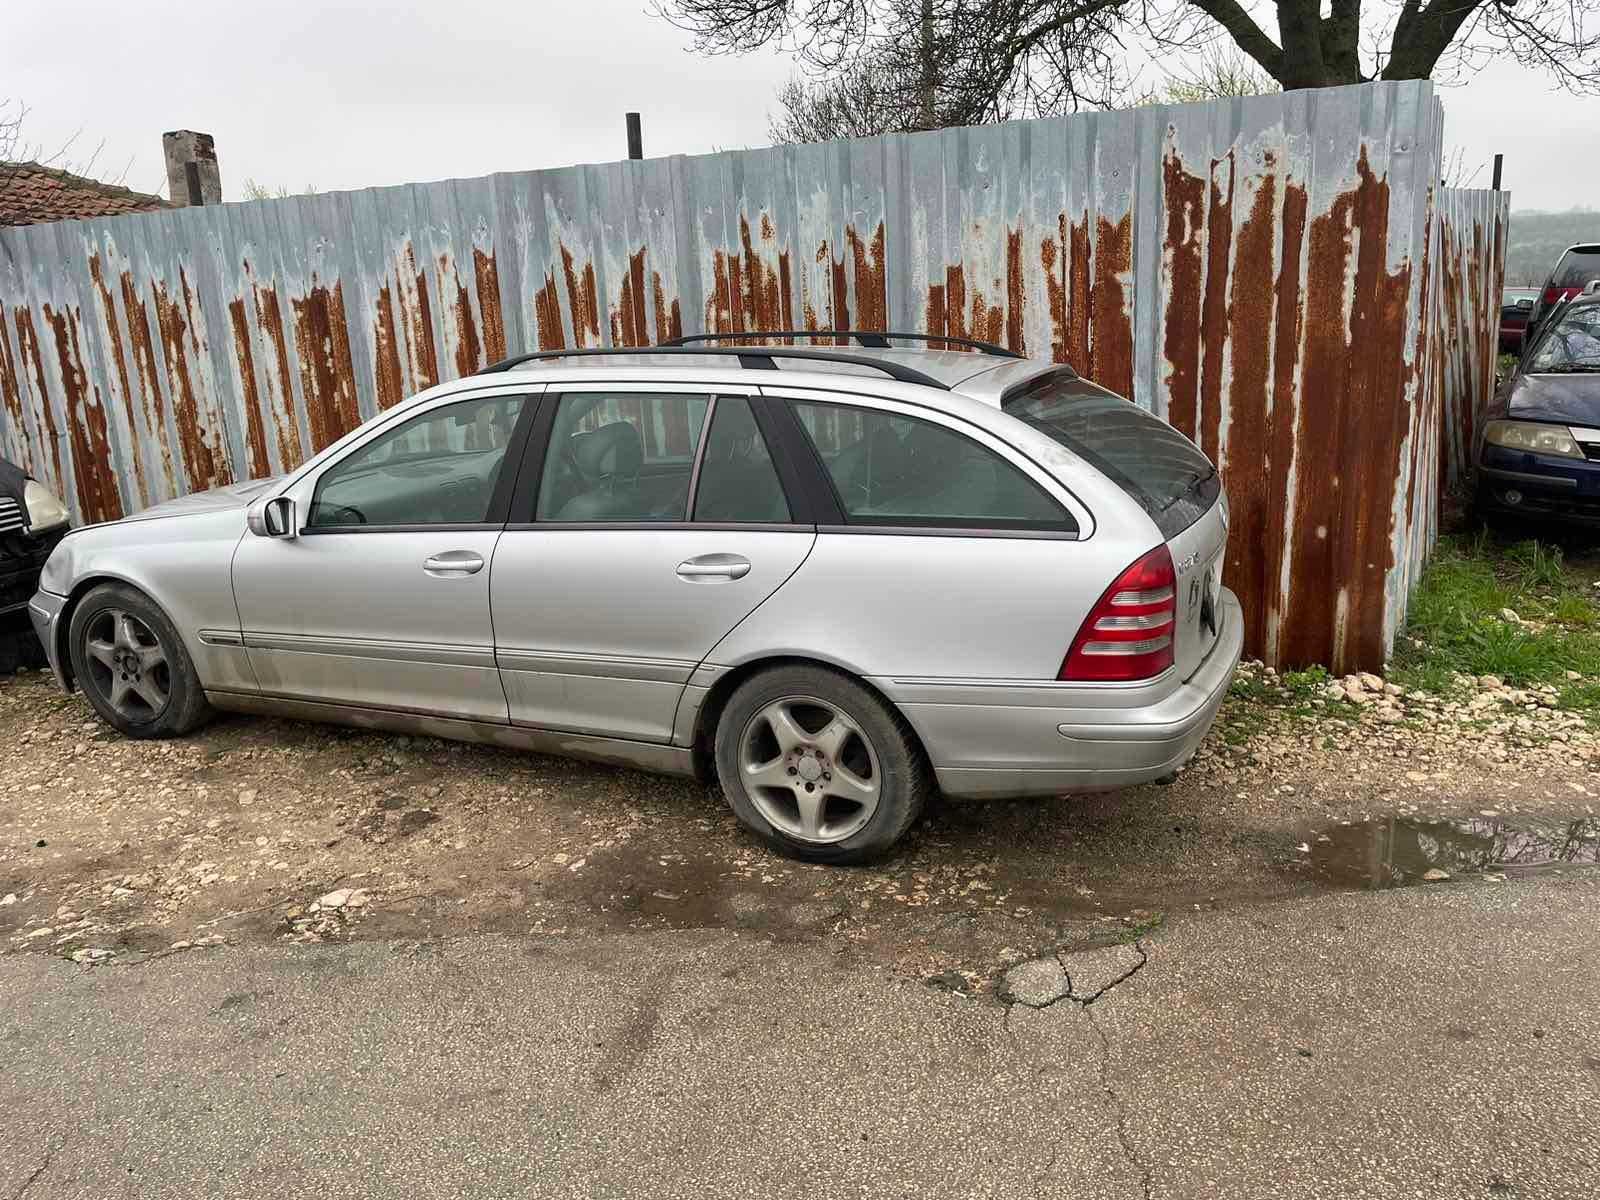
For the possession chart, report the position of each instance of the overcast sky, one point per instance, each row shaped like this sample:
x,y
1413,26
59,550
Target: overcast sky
x,y
341,95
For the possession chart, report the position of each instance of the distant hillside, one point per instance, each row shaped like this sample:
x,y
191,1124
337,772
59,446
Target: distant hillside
x,y
1537,239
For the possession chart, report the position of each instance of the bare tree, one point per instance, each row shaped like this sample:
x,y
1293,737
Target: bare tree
x,y
1029,57
17,150
255,190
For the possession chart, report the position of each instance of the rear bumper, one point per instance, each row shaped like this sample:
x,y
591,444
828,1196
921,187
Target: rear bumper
x,y
44,610
1045,739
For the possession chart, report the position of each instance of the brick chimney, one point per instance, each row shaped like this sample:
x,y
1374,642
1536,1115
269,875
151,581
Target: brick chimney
x,y
192,174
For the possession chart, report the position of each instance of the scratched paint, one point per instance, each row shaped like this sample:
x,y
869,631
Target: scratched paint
x,y
1320,323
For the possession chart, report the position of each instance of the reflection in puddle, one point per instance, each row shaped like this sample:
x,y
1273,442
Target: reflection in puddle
x,y
1398,851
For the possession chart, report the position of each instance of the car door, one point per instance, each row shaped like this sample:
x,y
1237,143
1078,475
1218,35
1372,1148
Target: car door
x,y
382,597
654,520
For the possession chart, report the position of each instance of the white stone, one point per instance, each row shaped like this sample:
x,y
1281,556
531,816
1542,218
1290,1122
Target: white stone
x,y
1509,616
1371,682
1434,874
335,899
1490,683
9,899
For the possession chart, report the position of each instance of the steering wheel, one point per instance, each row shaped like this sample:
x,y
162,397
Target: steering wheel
x,y
348,514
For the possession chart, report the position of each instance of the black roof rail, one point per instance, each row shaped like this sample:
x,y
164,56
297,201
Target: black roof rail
x,y
753,358
872,339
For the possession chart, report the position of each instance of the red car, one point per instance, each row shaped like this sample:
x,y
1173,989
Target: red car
x,y
1515,305
1577,266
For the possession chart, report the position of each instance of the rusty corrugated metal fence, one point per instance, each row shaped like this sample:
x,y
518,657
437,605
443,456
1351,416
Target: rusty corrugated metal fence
x,y
1253,269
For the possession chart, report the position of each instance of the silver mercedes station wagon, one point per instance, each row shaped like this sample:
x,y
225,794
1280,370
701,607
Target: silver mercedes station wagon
x,y
834,579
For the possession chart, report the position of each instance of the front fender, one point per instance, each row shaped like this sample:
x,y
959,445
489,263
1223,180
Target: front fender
x,y
183,563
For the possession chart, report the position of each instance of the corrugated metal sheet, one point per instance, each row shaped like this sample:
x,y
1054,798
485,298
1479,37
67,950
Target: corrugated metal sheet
x,y
1472,228
1254,269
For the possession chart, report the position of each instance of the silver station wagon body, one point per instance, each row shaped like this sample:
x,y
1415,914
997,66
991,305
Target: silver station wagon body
x,y
836,580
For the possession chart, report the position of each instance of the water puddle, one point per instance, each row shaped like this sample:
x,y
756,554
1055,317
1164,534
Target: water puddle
x,y
1389,852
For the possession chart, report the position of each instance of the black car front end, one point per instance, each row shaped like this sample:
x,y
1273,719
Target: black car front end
x,y
32,522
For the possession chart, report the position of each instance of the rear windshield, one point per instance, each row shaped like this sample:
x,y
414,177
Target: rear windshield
x,y
1576,268
1150,460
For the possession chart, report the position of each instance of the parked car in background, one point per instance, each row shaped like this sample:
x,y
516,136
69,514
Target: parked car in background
x,y
1539,453
32,520
1577,267
833,580
1516,305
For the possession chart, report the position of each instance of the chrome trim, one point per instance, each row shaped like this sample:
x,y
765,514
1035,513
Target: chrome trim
x,y
1582,433
603,666
220,637
646,756
424,652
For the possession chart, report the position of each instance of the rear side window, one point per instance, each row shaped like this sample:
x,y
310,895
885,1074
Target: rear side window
x,y
1147,458
889,469
1576,268
621,457
737,480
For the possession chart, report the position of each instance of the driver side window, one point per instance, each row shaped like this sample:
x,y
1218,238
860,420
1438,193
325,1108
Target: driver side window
x,y
439,468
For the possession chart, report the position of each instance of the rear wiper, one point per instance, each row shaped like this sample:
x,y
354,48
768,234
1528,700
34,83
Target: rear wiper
x,y
1189,484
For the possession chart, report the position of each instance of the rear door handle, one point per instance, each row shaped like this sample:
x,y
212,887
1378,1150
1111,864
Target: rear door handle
x,y
714,568
453,564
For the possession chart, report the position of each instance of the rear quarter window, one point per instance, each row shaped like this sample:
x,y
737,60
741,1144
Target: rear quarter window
x,y
1160,469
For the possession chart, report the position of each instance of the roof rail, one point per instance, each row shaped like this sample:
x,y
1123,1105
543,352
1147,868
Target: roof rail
x,y
872,339
758,359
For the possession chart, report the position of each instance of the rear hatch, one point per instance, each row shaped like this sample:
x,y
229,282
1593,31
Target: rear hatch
x,y
1160,470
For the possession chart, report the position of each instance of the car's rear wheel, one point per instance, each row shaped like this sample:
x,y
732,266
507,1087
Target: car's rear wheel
x,y
132,665
818,767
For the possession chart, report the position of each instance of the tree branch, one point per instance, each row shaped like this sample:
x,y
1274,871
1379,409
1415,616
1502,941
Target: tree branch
x,y
1241,26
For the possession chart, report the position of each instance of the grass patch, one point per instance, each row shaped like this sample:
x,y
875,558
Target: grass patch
x,y
1455,623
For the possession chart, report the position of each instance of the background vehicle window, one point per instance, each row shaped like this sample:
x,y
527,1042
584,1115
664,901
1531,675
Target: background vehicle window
x,y
1576,268
621,457
437,469
737,479
894,470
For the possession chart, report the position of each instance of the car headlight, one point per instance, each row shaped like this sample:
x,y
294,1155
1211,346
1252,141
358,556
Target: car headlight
x,y
45,510
1539,439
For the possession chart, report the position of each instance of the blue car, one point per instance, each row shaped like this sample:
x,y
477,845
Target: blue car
x,y
1538,455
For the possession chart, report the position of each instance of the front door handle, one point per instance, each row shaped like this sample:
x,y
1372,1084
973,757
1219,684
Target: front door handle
x,y
714,568
453,564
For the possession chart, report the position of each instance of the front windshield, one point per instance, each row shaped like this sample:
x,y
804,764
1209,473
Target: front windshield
x,y
1573,345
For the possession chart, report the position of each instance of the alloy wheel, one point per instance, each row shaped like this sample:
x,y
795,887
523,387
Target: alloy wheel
x,y
127,664
810,769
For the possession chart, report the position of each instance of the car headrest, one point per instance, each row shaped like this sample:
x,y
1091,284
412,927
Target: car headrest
x,y
612,450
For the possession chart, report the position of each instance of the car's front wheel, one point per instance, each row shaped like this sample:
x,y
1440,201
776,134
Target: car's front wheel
x,y
132,665
818,767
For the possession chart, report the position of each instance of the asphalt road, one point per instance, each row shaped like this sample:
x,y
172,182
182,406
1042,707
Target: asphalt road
x,y
1441,1041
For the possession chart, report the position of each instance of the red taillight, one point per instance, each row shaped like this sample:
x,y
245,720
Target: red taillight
x,y
1129,634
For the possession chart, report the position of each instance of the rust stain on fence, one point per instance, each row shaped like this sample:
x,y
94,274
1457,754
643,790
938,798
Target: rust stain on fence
x,y
205,465
285,426
255,434
119,361
1214,312
1254,469
1080,299
467,345
28,352
11,395
582,302
547,316
93,474
389,381
1340,546
1185,215
152,404
1111,351
486,277
327,377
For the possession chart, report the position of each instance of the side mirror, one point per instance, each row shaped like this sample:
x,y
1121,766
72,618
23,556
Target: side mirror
x,y
274,518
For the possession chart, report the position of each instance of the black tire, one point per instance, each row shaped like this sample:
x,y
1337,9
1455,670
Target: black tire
x,y
185,708
905,779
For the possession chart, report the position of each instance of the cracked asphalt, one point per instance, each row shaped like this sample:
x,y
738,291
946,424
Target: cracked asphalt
x,y
1425,1042
562,980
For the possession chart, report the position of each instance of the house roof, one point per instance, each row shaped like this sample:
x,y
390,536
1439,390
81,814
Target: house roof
x,y
31,194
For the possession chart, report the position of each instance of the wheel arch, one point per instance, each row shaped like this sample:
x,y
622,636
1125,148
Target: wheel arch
x,y
63,626
703,739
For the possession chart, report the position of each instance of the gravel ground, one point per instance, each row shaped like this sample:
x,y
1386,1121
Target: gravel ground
x,y
112,848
